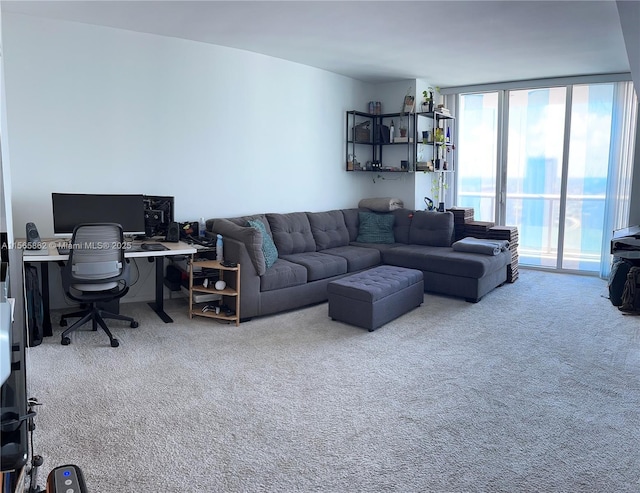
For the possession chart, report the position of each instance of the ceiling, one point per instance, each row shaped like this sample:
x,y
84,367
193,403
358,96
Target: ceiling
x,y
446,43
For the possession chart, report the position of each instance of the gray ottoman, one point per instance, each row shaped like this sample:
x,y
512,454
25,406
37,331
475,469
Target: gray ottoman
x,y
374,297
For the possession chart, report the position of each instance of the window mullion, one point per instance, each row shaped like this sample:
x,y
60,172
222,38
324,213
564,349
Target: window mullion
x,y
565,174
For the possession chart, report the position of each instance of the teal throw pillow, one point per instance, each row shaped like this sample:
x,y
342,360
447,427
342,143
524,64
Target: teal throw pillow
x,y
375,228
268,246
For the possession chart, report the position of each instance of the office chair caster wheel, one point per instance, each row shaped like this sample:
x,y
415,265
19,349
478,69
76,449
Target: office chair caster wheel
x,y
134,324
65,341
115,343
63,322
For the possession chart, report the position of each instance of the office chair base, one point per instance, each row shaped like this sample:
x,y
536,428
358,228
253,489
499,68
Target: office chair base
x,y
96,316
66,341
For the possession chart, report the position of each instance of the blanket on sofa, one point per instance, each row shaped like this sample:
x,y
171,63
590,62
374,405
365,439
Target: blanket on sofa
x,y
478,245
381,204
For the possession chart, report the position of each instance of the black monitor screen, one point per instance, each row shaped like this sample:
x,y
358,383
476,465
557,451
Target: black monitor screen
x,y
71,209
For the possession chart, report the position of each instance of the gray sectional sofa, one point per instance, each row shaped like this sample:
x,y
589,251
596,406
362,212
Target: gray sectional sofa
x,y
288,261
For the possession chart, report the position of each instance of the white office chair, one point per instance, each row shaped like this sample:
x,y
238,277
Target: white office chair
x,y
95,273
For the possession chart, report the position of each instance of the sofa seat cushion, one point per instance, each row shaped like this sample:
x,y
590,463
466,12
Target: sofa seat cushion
x,y
329,229
445,260
319,265
291,233
357,258
283,274
381,247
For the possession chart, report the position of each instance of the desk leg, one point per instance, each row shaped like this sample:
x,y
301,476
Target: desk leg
x,y
47,331
158,306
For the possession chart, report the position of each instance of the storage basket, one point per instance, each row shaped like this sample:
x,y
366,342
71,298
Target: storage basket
x,y
361,132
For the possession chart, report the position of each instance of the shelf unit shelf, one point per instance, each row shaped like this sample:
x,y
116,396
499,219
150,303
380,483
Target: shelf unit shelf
x,y
369,134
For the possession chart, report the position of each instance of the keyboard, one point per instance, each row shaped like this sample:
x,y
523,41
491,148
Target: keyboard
x,y
153,247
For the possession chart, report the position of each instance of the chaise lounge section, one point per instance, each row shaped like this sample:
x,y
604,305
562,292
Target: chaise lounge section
x,y
288,259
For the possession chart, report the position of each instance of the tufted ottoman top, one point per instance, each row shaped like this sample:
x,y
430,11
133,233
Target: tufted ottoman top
x,y
375,284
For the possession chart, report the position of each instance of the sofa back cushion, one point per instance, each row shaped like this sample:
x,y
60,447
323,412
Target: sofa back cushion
x,y
431,228
328,229
402,224
243,220
351,221
291,233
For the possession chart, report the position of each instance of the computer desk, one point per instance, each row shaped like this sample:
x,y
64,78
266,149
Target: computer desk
x,y
52,255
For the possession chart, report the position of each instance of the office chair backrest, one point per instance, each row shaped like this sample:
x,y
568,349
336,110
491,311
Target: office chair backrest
x,y
96,257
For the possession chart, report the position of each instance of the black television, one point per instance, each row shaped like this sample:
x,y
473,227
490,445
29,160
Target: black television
x,y
71,209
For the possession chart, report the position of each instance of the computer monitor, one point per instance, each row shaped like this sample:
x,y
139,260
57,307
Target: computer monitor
x,y
71,209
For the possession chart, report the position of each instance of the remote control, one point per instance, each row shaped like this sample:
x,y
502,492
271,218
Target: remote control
x,y
66,479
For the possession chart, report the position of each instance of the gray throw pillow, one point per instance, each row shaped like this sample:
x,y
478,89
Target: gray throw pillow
x,y
268,246
375,228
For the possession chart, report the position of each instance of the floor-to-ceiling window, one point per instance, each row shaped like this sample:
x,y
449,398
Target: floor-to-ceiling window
x,y
535,136
587,175
541,159
478,153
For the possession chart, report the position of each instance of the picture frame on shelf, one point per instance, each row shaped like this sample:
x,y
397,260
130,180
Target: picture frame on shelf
x,y
409,104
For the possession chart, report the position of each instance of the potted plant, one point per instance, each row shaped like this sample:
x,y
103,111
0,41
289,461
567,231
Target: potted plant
x,y
403,128
439,184
427,101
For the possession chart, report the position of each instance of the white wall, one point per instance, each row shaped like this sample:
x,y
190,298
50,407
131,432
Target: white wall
x,y
227,132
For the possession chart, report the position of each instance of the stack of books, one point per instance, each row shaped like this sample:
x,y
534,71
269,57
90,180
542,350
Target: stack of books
x,y
509,233
442,110
478,229
461,216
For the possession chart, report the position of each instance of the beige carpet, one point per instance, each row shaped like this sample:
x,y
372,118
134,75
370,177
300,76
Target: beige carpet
x,y
535,388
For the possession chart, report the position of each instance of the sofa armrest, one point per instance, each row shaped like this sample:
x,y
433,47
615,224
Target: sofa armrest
x,y
236,251
250,237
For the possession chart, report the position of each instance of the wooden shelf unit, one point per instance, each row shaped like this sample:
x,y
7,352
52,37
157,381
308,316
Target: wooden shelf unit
x,y
231,275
